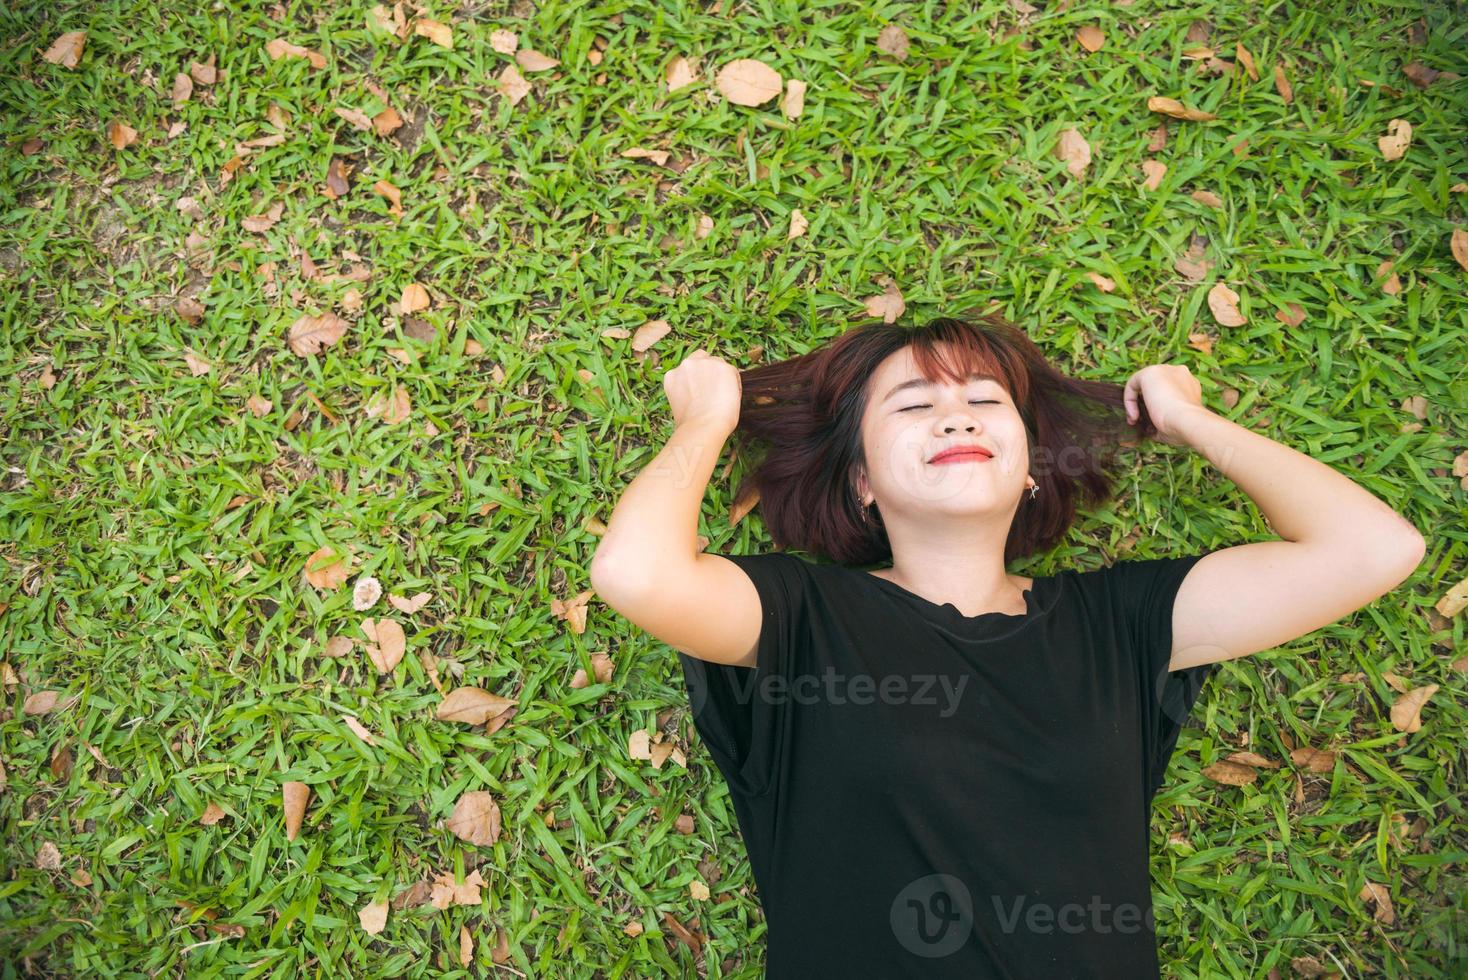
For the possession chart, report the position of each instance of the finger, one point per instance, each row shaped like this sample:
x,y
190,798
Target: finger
x,y
1129,399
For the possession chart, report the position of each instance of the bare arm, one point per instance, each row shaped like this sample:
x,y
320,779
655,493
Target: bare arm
x,y
648,567
1342,547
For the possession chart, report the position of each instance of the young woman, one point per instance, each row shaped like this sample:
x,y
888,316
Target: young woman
x,y
941,768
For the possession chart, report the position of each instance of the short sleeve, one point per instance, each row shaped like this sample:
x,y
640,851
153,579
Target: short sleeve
x,y
1148,588
742,713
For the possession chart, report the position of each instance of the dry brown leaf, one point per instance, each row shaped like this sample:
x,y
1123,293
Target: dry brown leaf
x,y
1394,144
532,60
189,309
1292,316
121,135
1391,285
1091,38
387,643
392,407
466,946
327,568
197,365
1454,601
336,178
414,298
1224,303
1282,85
338,646
358,118
1073,149
472,706
213,813
1155,171
798,224
373,917
440,34
748,82
409,606
387,121
40,702
445,892
792,103
66,50
649,333
1419,74
1208,198
1102,282
893,41
1230,773
1247,60
259,223
394,198
281,48
183,88
679,73
512,85
1381,898
1315,760
48,857
313,334
505,42
1158,142
294,797
1407,710
1175,109
601,666
1458,242
476,819
889,304
359,730
659,157
205,73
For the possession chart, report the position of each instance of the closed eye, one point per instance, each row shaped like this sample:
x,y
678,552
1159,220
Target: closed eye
x,y
987,401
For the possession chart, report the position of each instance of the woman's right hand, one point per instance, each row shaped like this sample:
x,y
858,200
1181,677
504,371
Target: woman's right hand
x,y
704,389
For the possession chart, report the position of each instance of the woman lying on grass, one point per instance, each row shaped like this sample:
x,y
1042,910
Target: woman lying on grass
x,y
940,768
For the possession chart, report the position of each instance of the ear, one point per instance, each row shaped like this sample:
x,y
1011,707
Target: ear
x,y
862,490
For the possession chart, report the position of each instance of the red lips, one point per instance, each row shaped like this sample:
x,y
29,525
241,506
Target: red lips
x,y
975,451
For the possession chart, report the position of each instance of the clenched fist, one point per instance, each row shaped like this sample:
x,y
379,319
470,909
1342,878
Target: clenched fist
x,y
704,389
1167,392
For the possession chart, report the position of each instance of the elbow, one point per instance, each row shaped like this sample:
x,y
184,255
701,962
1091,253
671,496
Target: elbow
x,y
610,577
1403,553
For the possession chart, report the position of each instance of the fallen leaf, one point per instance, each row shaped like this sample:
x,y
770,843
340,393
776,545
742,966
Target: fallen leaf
x,y
1175,109
1398,137
48,857
1458,242
440,34
1247,60
66,50
40,703
336,178
705,226
388,643
649,333
466,946
392,407
373,917
1224,303
259,223
659,157
532,60
889,304
1292,315
1313,759
792,103
359,730
394,199
409,606
204,74
183,87
445,892
1102,283
197,365
313,334
1155,171
392,21
213,813
281,48
679,73
1230,773
476,819
505,42
294,797
1091,38
1407,710
798,224
1419,74
189,309
512,85
1379,897
601,666
1282,85
414,298
893,41
1209,198
327,568
1158,142
472,706
121,135
1392,285
1072,148
386,121
338,646
356,117
748,82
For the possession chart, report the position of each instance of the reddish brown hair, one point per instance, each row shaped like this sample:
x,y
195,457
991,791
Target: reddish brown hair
x,y
802,416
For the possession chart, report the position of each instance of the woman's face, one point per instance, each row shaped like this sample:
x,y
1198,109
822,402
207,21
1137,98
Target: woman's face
x,y
906,426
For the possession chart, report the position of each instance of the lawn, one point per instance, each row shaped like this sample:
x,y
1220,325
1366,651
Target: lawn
x,y
331,335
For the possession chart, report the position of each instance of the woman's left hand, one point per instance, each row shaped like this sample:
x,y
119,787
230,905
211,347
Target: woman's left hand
x,y
1166,393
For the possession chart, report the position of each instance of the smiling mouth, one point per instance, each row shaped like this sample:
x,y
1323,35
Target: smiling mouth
x,y
961,456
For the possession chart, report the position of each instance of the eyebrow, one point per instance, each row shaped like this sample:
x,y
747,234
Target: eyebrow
x,y
925,383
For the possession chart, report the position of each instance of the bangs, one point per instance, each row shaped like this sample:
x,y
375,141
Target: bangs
x,y
957,352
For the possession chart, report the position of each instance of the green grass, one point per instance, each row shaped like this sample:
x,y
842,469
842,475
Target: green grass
x,y
182,625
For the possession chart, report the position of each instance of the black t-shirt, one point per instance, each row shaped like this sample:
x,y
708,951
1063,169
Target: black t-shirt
x,y
928,794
